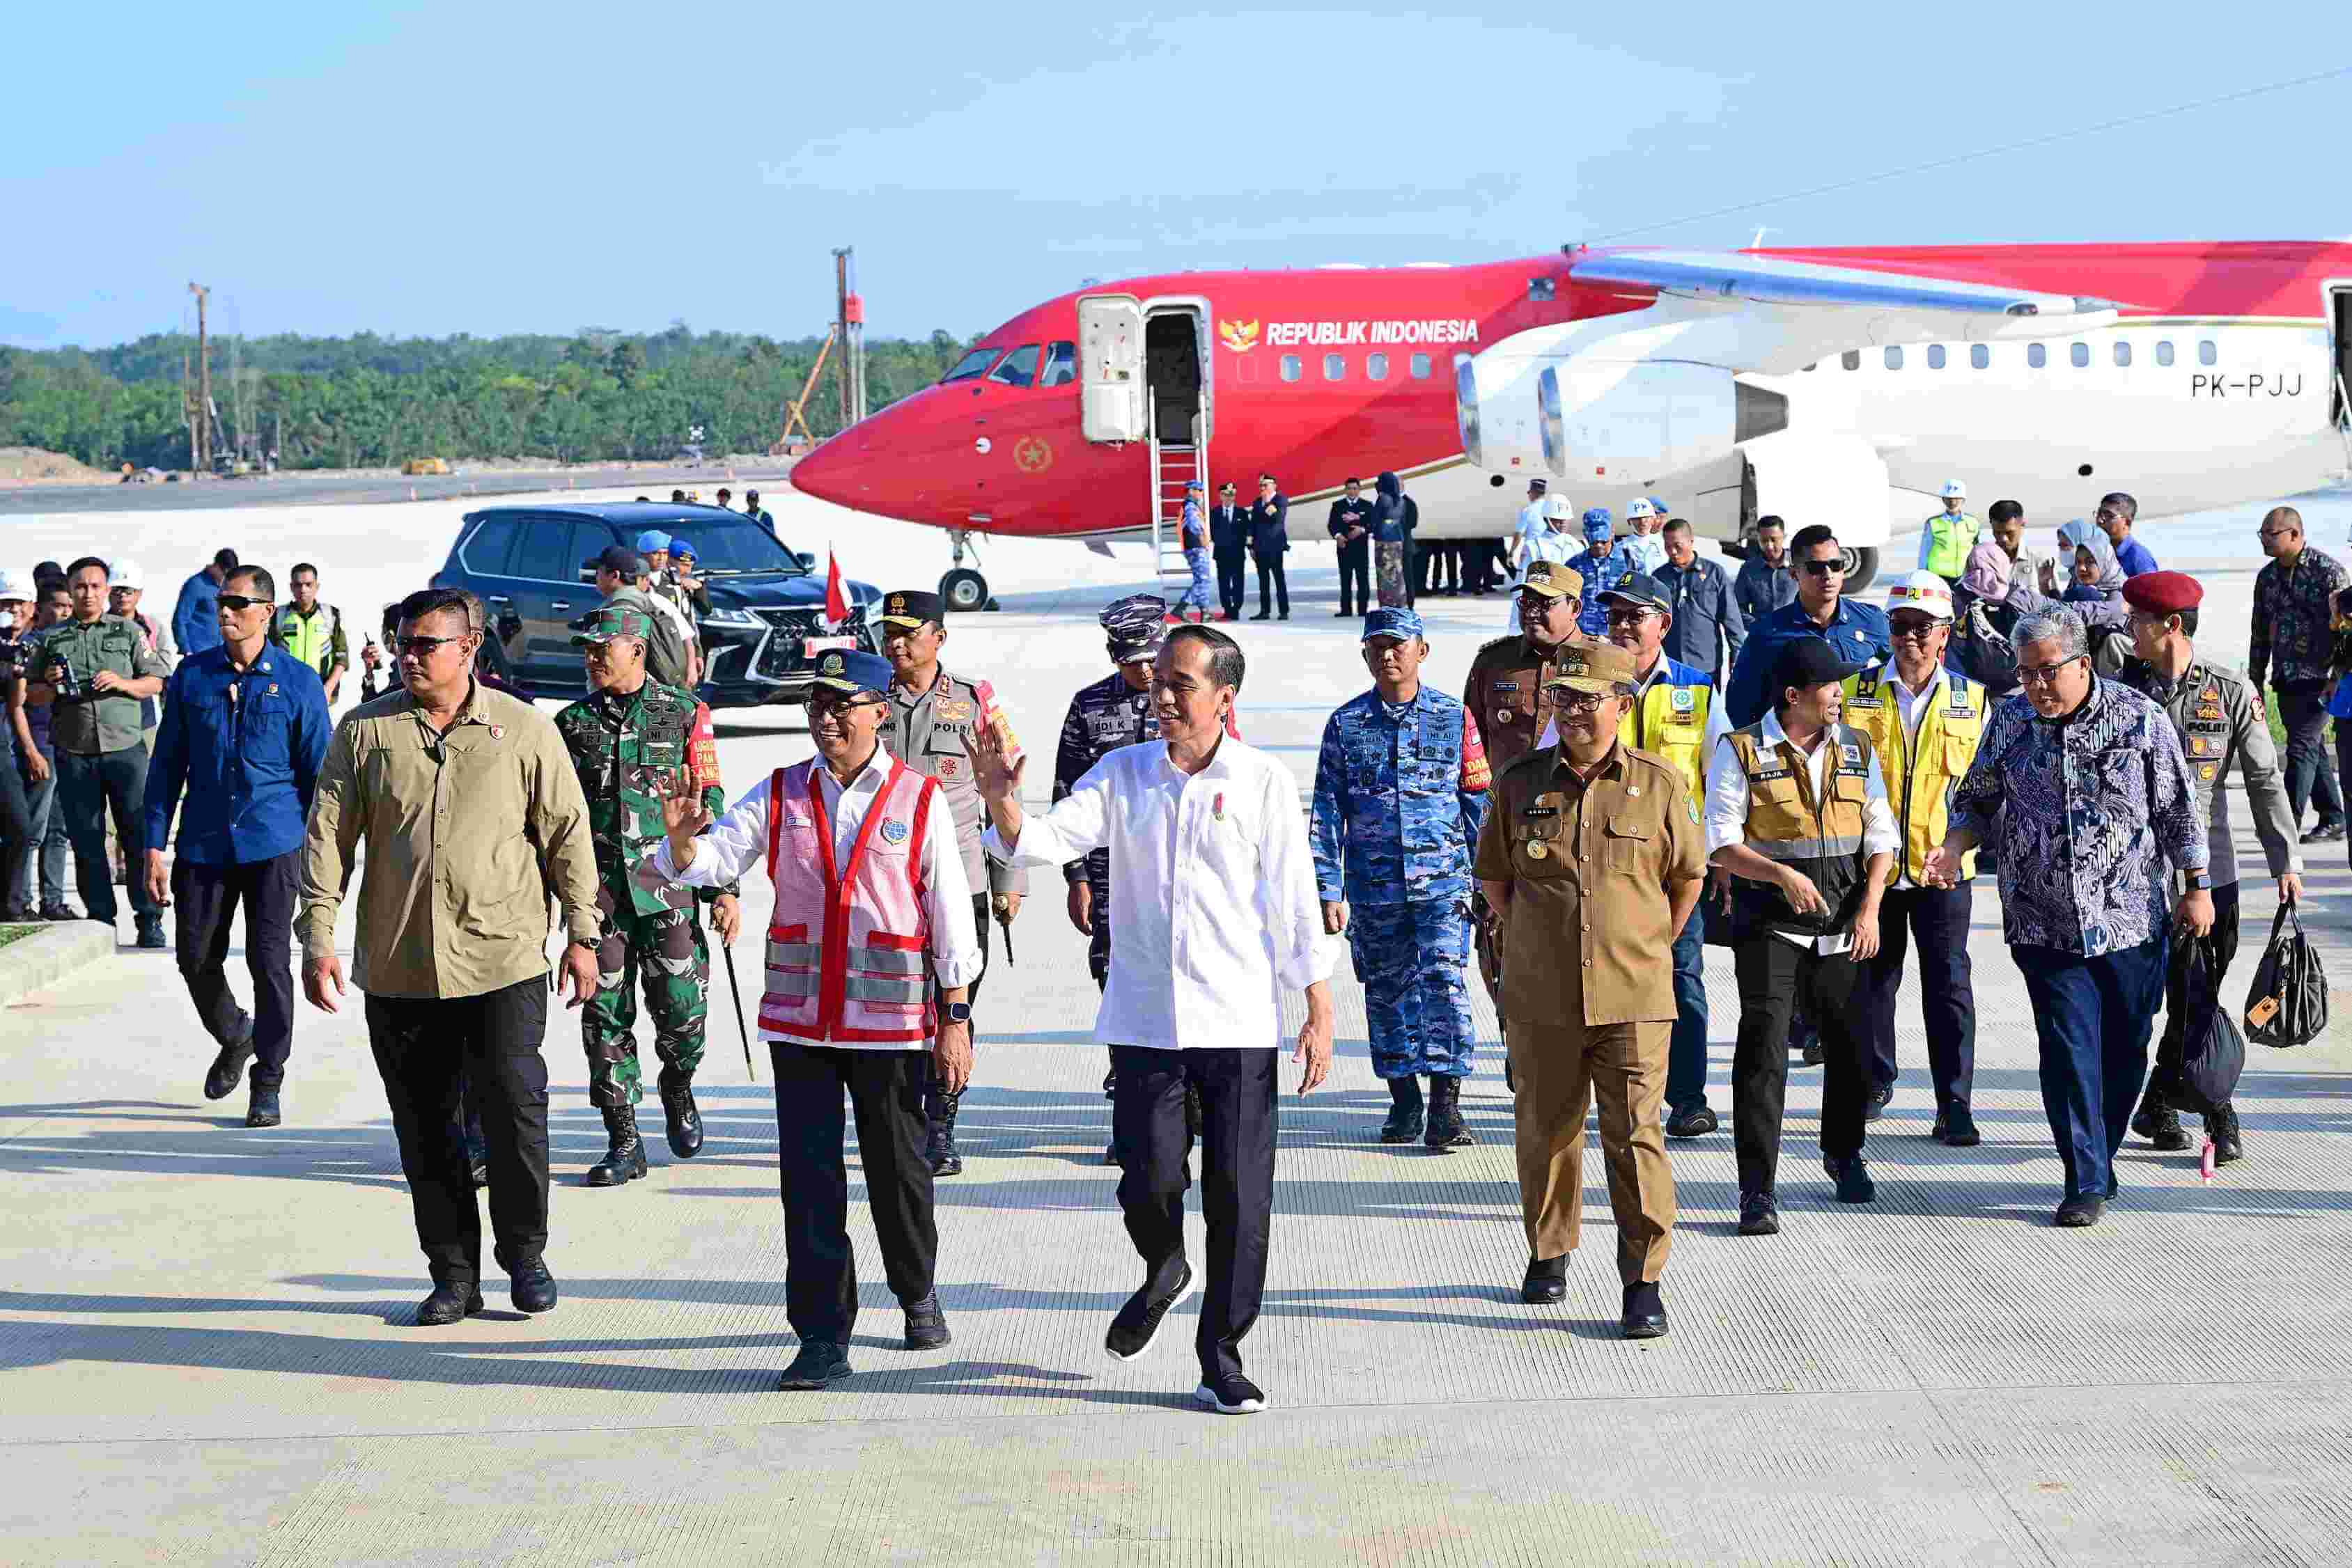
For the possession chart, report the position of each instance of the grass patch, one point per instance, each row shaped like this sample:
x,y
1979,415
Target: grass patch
x,y
18,933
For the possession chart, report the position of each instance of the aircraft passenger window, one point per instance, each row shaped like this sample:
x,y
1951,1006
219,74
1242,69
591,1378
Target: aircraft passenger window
x,y
1019,369
1851,359
2205,354
1291,368
971,365
2036,355
2078,354
2123,355
1335,367
1935,356
2164,350
1894,358
1376,366
1980,356
1420,367
1061,365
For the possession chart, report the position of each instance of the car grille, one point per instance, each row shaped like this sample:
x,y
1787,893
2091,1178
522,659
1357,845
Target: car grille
x,y
783,654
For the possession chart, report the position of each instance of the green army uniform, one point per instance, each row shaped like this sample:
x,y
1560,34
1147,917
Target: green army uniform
x,y
101,757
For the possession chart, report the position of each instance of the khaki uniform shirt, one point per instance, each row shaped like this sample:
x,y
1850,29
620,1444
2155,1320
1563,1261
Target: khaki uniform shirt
x,y
467,834
1506,693
1592,869
932,734
91,723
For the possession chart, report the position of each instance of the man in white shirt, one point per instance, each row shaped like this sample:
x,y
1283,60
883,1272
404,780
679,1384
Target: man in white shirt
x,y
1796,811
1556,539
1213,915
886,1008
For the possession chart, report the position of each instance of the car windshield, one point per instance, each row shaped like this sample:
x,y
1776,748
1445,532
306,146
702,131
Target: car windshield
x,y
723,548
971,365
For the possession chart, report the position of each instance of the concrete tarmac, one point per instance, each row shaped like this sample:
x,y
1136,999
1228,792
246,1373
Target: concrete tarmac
x,y
209,1359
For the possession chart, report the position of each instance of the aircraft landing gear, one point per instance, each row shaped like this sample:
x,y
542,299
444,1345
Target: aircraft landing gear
x,y
964,589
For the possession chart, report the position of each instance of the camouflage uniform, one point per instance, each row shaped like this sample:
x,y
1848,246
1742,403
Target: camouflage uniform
x,y
623,745
1400,791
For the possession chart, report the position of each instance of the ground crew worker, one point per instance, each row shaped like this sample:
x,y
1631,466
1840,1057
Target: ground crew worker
x,y
1601,565
1192,537
312,631
1506,693
1400,790
1924,722
930,725
1554,539
1591,854
1946,538
757,513
1797,811
2220,721
1641,544
629,738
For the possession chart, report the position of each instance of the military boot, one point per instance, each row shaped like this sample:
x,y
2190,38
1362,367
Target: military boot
x,y
940,1150
682,1119
2221,1127
626,1160
2159,1123
1447,1131
1404,1122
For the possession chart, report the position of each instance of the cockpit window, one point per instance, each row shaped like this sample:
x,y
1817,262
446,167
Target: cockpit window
x,y
1061,365
971,365
1019,369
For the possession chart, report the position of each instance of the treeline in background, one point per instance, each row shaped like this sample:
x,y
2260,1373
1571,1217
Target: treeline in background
x,y
369,402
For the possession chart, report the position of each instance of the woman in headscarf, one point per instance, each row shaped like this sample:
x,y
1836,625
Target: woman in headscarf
x,y
1981,643
2097,577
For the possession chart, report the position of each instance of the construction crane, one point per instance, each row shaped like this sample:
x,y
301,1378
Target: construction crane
x,y
796,411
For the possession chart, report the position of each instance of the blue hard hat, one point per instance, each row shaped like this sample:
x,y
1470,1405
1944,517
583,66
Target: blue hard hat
x,y
652,539
1392,623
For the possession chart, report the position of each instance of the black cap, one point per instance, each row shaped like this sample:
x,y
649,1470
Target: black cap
x,y
623,559
1643,592
911,607
1809,662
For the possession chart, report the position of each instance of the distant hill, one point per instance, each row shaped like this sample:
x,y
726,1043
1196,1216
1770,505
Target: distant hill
x,y
366,401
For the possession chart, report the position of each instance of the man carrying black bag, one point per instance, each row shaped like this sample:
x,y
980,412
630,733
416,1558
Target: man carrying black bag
x,y
2288,1005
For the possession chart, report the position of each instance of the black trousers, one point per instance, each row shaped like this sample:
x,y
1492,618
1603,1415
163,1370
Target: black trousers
x,y
1775,974
1272,583
2220,946
1937,918
935,1103
205,900
1229,580
1238,1115
434,1052
1356,578
2310,774
886,1095
16,845
88,787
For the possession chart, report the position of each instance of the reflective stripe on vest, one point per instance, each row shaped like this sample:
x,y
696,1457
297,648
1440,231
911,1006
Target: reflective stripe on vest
x,y
848,945
1670,721
1954,536
310,641
1820,837
1921,779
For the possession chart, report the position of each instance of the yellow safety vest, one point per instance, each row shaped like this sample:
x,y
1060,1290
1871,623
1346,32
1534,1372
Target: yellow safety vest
x,y
1670,721
1954,537
311,641
1921,778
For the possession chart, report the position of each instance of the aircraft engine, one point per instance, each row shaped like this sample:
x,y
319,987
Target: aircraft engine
x,y
1596,414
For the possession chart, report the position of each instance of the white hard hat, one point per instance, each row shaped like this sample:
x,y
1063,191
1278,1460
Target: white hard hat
x,y
1559,509
126,574
1921,591
1639,509
16,583
1955,491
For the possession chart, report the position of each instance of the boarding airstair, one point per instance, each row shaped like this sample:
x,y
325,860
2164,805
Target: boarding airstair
x,y
1174,465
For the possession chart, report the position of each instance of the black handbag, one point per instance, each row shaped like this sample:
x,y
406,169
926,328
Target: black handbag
x,y
2212,1051
2288,1004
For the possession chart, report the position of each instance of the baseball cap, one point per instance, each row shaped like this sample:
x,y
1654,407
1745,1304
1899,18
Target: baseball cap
x,y
1596,521
1398,623
1599,667
1135,626
1556,507
614,621
912,607
1552,581
1809,662
1637,591
126,574
652,539
623,559
1924,591
852,670
1658,508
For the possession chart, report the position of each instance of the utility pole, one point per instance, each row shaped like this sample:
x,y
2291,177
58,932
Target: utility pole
x,y
204,442
849,322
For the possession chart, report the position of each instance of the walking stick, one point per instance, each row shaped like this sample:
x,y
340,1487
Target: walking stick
x,y
736,986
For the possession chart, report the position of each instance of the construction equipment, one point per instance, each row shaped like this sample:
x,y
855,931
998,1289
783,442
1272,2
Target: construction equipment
x,y
795,414
423,465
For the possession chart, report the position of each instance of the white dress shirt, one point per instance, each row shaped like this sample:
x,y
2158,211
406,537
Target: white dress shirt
x,y
1214,912
1727,811
738,842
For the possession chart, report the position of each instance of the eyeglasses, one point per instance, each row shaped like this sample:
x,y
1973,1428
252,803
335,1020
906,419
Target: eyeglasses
x,y
2045,675
1629,614
1822,568
2108,516
1574,701
423,647
825,697
240,602
2275,533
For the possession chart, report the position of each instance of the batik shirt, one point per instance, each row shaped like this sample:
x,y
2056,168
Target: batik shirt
x,y
2293,612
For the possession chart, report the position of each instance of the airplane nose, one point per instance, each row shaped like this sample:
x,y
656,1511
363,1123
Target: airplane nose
x,y
837,470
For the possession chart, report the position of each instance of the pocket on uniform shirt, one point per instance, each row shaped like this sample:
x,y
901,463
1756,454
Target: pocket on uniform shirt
x,y
1625,845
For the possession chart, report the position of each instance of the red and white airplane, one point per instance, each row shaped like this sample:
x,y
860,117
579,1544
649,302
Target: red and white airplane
x,y
1843,386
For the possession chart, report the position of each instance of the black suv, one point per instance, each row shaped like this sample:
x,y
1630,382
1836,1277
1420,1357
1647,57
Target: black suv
x,y
532,566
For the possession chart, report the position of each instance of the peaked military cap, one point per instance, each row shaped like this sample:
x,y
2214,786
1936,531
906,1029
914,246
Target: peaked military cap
x,y
852,670
1553,580
614,621
1599,667
911,607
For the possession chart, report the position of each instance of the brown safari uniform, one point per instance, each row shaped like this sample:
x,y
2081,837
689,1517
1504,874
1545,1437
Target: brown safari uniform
x,y
1588,994
1505,692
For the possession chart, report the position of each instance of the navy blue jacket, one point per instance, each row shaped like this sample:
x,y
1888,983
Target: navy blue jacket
x,y
1229,530
195,618
244,750
1857,632
1707,616
1269,535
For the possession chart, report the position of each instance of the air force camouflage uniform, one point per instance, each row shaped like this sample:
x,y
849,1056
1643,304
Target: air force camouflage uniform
x,y
1103,717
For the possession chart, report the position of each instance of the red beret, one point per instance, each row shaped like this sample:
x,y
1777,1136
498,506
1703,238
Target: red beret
x,y
2164,592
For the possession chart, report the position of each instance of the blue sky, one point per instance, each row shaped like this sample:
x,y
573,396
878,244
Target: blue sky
x,y
506,167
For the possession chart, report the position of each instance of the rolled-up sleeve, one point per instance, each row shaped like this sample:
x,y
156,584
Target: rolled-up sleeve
x,y
731,845
338,817
956,956
1294,914
556,816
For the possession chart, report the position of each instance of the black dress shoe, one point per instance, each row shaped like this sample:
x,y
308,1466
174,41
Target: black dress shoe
x,y
927,1326
1694,1122
1285,615
227,1069
1853,1179
2159,1123
58,912
1137,1323
1759,1215
1342,614
1232,1395
682,1120
1874,1105
452,1300
2221,1127
1955,1128
1813,1055
819,1362
1546,1281
1645,1312
262,1112
151,932
1263,615
530,1287
2077,1214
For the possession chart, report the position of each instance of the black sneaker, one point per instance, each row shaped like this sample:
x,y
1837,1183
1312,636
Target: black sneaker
x,y
819,1362
2221,1127
2077,1214
1852,1179
152,938
58,912
2326,831
1874,1106
1693,1121
1138,1323
1957,1128
927,1325
2159,1123
1759,1214
1232,1395
228,1069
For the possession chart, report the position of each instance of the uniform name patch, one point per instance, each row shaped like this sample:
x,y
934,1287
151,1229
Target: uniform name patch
x,y
1506,685
1540,811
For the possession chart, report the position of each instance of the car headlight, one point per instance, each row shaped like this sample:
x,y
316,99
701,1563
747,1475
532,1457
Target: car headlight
x,y
729,615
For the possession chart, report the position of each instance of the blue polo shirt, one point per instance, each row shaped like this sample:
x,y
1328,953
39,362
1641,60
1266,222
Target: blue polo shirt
x,y
1858,633
244,749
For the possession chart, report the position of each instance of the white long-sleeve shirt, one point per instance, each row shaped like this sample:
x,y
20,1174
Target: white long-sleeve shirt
x,y
1727,811
739,840
1214,912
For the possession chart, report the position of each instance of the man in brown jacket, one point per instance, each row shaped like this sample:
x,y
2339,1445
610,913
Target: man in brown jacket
x,y
471,814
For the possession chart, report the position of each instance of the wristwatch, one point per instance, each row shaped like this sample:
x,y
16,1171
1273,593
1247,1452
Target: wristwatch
x,y
955,1012
2196,882
590,942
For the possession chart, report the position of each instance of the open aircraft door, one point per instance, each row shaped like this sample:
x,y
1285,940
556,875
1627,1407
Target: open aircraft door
x,y
1111,386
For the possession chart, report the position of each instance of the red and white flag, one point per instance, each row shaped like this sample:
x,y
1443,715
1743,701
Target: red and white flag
x,y
836,592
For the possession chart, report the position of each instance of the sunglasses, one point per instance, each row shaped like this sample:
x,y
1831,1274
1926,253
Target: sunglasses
x,y
422,647
240,602
1916,630
1629,614
1821,568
